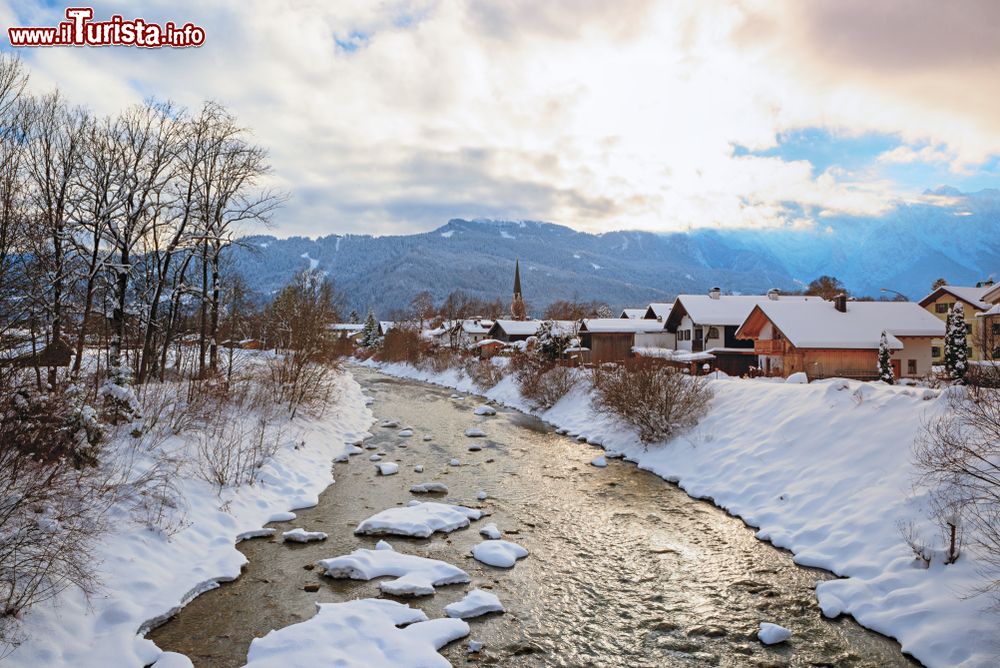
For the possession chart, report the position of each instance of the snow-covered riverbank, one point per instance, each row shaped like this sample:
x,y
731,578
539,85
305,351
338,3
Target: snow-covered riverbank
x,y
823,470
146,575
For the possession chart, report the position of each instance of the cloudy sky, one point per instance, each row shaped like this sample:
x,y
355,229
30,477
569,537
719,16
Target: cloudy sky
x,y
392,117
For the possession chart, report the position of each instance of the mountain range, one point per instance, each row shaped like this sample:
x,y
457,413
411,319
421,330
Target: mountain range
x,y
955,236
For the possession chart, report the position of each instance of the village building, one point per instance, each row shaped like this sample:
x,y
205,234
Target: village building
x,y
973,300
518,311
470,331
384,326
839,338
615,339
633,313
708,324
658,311
346,330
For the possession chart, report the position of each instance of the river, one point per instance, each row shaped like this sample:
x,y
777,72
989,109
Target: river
x,y
624,569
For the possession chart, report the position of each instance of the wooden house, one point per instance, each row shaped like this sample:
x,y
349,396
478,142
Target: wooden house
x,y
470,331
633,313
839,338
614,339
973,300
509,331
658,311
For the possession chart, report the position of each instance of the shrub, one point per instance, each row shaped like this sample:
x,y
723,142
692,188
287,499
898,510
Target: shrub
x,y
401,344
541,383
230,454
656,399
484,373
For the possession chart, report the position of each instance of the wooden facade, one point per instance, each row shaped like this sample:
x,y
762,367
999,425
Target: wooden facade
x,y
608,346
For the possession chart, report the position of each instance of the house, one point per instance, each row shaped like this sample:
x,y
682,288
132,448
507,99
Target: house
x,y
613,339
973,300
346,330
989,325
470,331
839,338
633,313
509,331
384,326
708,323
658,311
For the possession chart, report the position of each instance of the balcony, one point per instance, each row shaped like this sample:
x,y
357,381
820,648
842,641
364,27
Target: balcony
x,y
769,346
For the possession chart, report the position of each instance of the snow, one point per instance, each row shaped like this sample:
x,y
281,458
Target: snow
x,y
387,468
485,410
599,461
476,603
475,432
405,433
823,470
412,575
727,310
499,553
455,461
300,535
419,468
619,325
359,634
447,235
312,263
420,519
772,634
475,447
429,488
474,646
482,495
797,378
490,531
146,576
375,458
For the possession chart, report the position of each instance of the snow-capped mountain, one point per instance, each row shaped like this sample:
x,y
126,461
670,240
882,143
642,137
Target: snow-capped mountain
x,y
904,250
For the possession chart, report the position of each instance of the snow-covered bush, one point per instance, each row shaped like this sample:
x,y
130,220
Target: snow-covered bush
x,y
657,400
956,347
959,457
548,387
551,342
484,373
230,453
885,373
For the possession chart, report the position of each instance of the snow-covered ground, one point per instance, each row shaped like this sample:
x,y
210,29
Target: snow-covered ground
x,y
147,575
824,470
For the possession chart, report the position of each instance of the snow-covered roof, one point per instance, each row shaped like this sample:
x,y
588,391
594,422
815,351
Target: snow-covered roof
x,y
812,322
530,327
726,310
969,294
672,355
992,296
995,310
621,325
633,313
346,327
386,325
489,342
658,310
476,326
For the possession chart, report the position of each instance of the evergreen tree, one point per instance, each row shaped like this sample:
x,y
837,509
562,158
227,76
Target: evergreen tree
x,y
354,318
369,335
956,350
551,343
884,362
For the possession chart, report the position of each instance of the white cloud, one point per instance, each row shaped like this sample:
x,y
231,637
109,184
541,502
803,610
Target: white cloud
x,y
593,114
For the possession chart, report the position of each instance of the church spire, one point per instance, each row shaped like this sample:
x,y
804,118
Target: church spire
x,y
517,310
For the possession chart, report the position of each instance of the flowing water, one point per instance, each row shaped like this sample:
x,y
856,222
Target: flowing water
x,y
624,568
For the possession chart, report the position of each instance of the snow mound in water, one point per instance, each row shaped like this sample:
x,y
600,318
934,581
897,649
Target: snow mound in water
x,y
405,433
475,447
475,432
173,660
387,468
428,437
772,634
490,531
300,535
485,410
477,602
375,458
599,461
419,468
499,553
430,488
454,462
334,637
482,495
414,576
419,519
390,424
352,450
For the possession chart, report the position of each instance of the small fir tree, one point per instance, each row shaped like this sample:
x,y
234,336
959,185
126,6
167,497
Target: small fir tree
x,y
551,343
884,362
956,350
369,334
354,318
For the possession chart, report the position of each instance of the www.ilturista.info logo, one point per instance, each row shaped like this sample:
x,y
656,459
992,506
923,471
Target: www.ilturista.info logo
x,y
80,30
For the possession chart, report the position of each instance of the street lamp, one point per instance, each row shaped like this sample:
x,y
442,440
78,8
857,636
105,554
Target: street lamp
x,y
895,292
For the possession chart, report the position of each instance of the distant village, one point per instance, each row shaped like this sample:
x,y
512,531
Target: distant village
x,y
774,334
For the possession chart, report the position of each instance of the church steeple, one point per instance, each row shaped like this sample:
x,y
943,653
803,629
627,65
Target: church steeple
x,y
517,310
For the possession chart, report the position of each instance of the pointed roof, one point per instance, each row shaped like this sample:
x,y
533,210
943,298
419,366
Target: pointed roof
x,y
517,277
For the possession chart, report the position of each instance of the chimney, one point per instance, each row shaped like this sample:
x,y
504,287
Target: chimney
x,y
840,303
714,293
773,294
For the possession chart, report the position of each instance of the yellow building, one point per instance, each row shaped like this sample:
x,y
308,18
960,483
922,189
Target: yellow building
x,y
974,302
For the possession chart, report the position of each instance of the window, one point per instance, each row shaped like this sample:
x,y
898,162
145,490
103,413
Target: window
x,y
935,351
943,307
970,352
996,353
713,332
996,329
911,367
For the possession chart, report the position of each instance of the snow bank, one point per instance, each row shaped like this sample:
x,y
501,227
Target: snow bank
x,y
300,535
429,488
419,519
334,637
824,470
485,410
146,575
499,553
414,576
476,603
772,634
475,432
387,468
490,531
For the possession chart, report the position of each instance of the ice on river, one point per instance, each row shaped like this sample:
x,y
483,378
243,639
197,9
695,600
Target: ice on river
x,y
477,602
490,531
772,634
499,553
430,488
485,410
300,535
387,468
414,576
419,519
475,432
334,637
